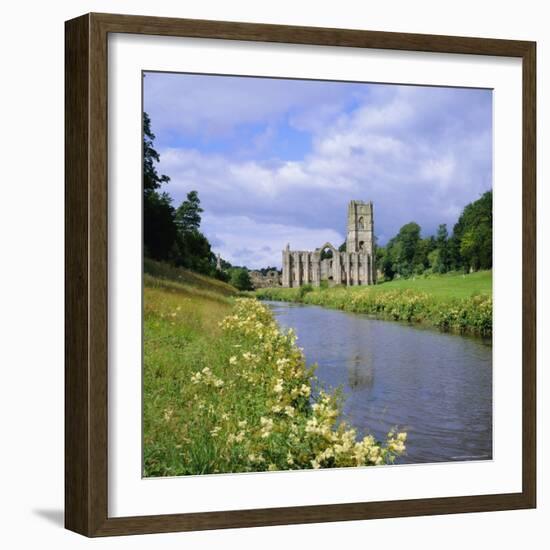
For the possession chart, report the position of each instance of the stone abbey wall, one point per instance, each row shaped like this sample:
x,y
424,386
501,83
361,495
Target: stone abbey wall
x,y
353,267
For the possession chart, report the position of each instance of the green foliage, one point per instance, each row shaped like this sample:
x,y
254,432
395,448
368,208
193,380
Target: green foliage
x,y
303,290
240,278
172,234
236,396
469,248
161,271
442,263
159,232
188,214
473,235
403,252
451,302
151,179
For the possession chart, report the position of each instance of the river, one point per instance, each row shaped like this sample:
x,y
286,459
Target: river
x,y
435,386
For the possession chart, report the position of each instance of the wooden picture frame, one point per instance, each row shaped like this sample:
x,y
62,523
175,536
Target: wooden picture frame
x,y
86,283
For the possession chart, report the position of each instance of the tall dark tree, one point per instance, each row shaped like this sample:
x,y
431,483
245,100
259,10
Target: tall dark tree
x,y
442,263
151,178
159,229
188,214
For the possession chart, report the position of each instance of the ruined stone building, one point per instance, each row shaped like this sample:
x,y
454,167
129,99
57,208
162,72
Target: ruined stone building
x,y
353,267
268,280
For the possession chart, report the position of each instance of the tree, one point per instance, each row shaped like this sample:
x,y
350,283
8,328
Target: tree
x,y
240,279
473,235
169,234
159,230
442,245
402,252
188,215
151,179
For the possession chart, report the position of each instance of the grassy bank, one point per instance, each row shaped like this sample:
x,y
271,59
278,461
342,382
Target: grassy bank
x,y
453,302
225,390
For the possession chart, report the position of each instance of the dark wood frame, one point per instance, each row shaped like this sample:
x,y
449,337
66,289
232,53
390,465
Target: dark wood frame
x,y
87,286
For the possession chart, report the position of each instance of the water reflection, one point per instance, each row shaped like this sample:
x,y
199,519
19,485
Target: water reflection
x,y
436,386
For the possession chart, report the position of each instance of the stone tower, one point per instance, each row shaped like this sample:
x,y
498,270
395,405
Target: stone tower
x,y
355,266
360,227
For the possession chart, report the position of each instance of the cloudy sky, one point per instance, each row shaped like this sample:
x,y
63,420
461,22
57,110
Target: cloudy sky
x,y
277,161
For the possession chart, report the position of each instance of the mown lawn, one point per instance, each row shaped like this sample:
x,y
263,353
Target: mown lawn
x,y
452,285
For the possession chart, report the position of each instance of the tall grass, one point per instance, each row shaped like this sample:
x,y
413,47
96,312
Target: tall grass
x,y
225,390
163,271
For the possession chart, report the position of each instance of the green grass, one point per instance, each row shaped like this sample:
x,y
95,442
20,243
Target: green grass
x,y
189,279
225,390
443,287
452,302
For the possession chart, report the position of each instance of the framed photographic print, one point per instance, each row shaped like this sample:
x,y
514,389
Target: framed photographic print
x,y
300,274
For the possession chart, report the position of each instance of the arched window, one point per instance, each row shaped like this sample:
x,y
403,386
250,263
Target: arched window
x,y
361,223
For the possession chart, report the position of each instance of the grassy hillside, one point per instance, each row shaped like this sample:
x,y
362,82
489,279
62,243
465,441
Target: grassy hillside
x,y
456,302
185,277
224,390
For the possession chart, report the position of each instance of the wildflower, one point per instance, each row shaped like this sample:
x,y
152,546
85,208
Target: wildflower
x,y
233,360
267,426
215,431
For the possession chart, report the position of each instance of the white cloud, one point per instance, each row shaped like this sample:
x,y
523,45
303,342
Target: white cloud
x,y
241,240
420,154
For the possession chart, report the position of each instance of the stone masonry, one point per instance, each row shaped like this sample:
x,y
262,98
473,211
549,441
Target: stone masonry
x,y
353,267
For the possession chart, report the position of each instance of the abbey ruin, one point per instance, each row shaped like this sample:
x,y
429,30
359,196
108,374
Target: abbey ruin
x,y
354,266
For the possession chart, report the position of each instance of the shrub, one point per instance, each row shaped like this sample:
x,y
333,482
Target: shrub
x,y
473,315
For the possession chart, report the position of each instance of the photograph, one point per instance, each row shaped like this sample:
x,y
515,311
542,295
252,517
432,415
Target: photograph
x,y
317,274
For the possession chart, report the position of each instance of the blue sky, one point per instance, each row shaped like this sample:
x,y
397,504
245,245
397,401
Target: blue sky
x,y
277,160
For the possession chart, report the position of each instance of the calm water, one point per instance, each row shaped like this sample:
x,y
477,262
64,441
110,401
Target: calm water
x,y
436,386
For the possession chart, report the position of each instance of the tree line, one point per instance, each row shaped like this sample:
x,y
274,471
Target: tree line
x,y
468,248
172,233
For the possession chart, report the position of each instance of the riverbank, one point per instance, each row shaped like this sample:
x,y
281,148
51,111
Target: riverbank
x,y
454,302
225,390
